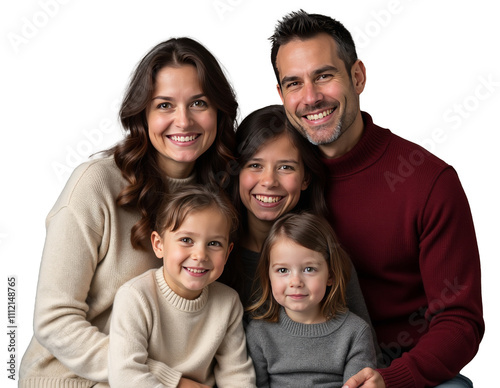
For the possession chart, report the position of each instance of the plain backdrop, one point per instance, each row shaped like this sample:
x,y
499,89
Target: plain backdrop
x,y
433,77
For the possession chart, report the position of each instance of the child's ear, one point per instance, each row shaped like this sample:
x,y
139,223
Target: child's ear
x,y
157,243
329,281
229,249
305,182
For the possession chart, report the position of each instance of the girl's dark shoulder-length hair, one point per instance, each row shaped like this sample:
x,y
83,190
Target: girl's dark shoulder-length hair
x,y
135,156
315,233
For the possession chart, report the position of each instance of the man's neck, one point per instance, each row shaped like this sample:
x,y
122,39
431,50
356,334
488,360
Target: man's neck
x,y
346,141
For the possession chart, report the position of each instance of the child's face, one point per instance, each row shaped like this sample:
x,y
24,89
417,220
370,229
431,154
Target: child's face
x,y
195,254
272,180
299,277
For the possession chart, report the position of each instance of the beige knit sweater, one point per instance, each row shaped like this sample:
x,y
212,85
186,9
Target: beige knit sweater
x,y
201,339
86,258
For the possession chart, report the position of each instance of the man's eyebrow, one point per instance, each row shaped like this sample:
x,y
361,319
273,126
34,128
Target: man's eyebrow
x,y
321,70
325,69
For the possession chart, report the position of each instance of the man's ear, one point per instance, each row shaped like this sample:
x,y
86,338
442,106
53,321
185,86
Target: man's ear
x,y
358,76
157,243
278,87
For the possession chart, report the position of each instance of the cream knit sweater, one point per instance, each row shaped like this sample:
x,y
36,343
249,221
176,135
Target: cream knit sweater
x,y
86,258
201,339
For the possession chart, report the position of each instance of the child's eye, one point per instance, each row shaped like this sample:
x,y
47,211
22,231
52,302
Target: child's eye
x,y
253,165
214,244
186,240
282,270
309,269
286,167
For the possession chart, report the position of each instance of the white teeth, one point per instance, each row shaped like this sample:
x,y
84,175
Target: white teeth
x,y
183,138
319,115
266,199
196,270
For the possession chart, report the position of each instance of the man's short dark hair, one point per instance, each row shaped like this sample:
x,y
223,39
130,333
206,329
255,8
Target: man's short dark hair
x,y
301,25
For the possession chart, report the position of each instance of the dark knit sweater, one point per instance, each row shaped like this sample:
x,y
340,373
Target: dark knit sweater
x,y
403,217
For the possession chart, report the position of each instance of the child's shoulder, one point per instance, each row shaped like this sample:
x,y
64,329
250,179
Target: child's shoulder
x,y
353,320
141,282
223,290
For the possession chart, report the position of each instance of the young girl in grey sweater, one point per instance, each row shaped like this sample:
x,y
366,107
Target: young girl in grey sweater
x,y
302,334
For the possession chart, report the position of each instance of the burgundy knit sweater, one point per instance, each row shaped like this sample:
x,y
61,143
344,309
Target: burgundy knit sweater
x,y
403,217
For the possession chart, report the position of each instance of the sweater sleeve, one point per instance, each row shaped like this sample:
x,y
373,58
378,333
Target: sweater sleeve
x,y
256,354
361,353
449,262
131,326
234,367
66,272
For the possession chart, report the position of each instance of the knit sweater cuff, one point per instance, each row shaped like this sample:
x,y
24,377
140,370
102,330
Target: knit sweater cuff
x,y
397,376
162,372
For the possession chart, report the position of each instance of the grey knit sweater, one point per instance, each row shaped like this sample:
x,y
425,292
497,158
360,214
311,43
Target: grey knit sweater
x,y
291,354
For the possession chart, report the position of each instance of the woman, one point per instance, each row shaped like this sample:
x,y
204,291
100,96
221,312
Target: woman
x,y
178,113
279,172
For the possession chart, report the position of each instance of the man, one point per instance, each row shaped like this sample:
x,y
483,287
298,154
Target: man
x,y
399,211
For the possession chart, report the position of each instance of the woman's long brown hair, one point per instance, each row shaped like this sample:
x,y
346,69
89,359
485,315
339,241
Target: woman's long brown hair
x,y
135,156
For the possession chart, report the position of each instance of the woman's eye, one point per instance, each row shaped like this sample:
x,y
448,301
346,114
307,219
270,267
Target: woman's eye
x,y
164,105
199,104
253,165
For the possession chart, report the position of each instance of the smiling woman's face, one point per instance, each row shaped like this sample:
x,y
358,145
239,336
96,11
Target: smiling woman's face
x,y
182,122
271,181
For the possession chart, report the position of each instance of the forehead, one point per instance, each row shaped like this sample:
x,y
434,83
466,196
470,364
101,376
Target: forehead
x,y
177,78
299,57
278,147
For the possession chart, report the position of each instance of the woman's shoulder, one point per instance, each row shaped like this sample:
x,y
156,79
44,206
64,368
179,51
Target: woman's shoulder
x,y
96,169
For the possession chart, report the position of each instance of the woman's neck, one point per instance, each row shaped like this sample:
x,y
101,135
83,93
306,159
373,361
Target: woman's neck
x,y
258,230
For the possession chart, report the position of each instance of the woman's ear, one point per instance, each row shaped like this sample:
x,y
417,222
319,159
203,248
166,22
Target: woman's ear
x,y
157,243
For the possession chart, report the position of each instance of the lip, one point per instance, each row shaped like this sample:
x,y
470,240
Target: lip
x,y
320,120
267,200
195,271
297,296
183,139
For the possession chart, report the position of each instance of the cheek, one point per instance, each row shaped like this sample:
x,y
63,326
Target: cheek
x,y
245,183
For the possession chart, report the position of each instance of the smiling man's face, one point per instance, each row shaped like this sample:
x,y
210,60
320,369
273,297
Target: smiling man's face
x,y
321,99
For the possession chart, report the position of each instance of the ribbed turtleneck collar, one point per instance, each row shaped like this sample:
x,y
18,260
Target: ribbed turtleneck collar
x,y
367,151
174,183
313,329
177,301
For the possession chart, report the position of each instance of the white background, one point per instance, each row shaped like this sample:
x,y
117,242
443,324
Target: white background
x,y
433,71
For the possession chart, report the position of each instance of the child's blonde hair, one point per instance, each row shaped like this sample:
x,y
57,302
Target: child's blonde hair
x,y
315,233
